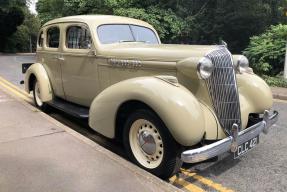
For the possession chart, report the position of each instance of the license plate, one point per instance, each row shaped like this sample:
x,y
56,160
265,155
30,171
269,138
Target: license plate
x,y
245,147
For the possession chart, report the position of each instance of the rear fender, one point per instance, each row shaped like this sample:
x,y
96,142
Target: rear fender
x,y
38,71
175,105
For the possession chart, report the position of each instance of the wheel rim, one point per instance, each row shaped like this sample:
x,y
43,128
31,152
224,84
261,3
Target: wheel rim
x,y
37,95
146,143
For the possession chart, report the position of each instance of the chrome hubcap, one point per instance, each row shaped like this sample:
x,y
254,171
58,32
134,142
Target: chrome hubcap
x,y
146,143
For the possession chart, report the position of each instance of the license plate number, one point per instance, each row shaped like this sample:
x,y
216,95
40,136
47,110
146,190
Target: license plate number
x,y
245,147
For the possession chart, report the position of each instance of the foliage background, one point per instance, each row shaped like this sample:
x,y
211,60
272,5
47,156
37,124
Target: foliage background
x,y
11,16
266,51
183,21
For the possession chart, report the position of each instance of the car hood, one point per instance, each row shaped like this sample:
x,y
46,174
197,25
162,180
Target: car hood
x,y
160,52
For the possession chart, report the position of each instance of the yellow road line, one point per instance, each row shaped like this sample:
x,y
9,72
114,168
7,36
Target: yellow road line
x,y
13,86
206,181
185,184
16,92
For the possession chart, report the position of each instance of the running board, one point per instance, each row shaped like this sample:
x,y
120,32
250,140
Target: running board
x,y
70,108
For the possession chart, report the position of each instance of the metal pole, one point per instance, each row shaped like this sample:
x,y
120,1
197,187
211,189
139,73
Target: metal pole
x,y
30,44
285,65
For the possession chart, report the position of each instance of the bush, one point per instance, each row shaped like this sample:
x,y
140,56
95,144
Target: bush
x,y
266,52
275,81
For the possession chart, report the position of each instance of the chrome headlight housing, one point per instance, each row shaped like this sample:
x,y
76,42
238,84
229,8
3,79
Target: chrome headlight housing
x,y
242,65
205,68
242,62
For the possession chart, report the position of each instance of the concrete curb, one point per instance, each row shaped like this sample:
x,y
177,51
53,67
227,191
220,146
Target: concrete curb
x,y
133,168
19,54
279,96
279,93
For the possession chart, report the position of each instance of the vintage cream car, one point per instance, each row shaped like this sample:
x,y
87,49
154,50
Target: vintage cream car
x,y
168,104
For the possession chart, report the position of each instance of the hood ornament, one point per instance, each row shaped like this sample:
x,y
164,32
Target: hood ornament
x,y
223,43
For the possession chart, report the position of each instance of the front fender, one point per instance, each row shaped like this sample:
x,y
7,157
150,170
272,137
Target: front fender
x,y
254,94
256,91
176,106
41,75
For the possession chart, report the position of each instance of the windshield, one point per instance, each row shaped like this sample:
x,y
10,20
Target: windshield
x,y
116,33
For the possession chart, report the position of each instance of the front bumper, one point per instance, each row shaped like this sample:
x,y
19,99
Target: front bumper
x,y
230,143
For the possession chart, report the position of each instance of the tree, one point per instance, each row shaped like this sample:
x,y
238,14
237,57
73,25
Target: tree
x,y
11,16
231,20
25,36
182,21
50,9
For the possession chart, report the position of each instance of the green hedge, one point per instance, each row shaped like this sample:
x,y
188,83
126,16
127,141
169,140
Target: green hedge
x,y
275,81
266,52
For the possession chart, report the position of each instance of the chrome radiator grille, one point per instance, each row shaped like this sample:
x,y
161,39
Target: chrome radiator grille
x,y
222,89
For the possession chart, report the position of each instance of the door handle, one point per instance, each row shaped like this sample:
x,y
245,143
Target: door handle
x,y
60,57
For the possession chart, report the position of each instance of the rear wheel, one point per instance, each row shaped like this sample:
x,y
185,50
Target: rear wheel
x,y
150,145
37,98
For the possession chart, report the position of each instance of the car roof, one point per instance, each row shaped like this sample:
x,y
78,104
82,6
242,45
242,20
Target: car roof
x,y
98,20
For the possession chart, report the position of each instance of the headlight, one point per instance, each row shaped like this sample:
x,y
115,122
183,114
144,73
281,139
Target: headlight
x,y
205,68
243,65
242,62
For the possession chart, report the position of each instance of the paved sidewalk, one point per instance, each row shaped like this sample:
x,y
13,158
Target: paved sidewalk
x,y
279,93
38,153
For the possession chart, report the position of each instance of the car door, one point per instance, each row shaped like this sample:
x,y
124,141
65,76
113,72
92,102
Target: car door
x,y
79,68
50,57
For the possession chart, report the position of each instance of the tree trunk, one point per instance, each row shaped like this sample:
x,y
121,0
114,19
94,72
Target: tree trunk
x,y
285,66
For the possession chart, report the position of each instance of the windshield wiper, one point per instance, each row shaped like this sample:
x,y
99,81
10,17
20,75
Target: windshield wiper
x,y
124,41
144,41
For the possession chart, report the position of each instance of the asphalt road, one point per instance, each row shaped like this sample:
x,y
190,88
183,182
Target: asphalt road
x,y
262,169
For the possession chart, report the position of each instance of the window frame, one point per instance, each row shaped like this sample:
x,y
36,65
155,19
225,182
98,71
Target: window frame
x,y
65,40
46,40
40,35
129,24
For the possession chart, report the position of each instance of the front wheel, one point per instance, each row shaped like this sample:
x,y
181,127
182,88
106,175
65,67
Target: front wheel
x,y
37,98
150,145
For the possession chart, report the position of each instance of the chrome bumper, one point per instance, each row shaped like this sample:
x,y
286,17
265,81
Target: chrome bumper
x,y
230,143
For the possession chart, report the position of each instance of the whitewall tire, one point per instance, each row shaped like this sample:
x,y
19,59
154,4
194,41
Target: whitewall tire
x,y
149,144
37,97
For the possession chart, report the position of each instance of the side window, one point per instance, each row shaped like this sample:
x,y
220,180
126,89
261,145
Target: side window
x,y
53,37
40,39
78,37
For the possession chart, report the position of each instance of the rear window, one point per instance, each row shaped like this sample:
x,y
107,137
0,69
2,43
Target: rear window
x,y
53,37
